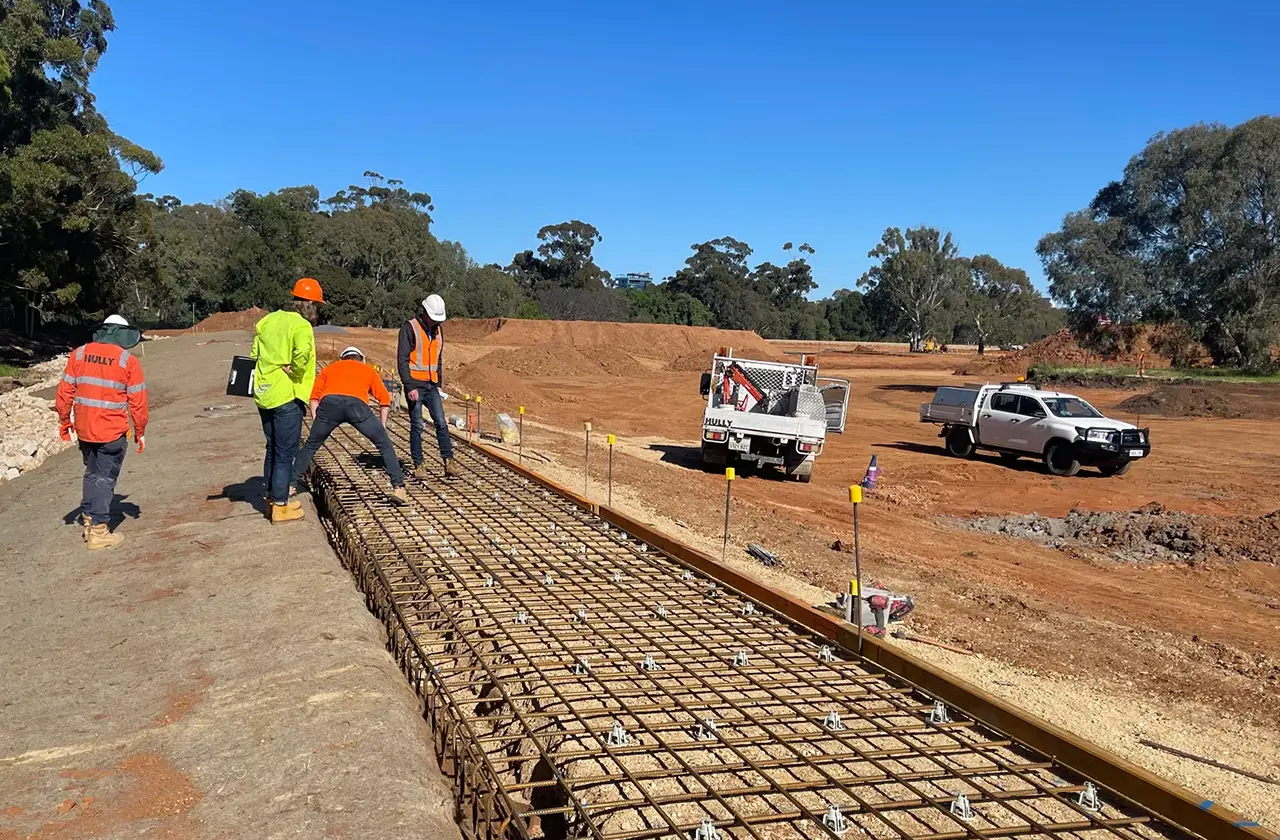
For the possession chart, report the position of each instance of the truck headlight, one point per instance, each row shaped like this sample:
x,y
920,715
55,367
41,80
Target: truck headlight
x,y
1099,436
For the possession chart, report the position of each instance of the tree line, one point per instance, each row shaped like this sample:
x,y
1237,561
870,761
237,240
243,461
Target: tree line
x,y
1187,236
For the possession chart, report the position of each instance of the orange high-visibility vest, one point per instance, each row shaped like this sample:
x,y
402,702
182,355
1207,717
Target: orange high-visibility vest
x,y
424,361
104,388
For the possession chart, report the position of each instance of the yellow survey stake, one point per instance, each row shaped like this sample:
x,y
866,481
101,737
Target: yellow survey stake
x,y
729,474
610,440
855,493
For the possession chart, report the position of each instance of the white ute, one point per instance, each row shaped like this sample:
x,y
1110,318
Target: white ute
x,y
1019,420
769,413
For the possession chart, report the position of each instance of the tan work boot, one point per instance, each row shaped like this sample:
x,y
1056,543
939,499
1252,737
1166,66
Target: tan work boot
x,y
286,513
85,524
99,537
449,470
399,495
422,471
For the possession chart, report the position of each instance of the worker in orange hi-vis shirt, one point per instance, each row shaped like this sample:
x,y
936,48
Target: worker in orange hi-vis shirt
x,y
101,393
341,395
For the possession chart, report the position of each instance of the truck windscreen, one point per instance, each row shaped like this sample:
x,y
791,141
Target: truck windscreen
x,y
1071,407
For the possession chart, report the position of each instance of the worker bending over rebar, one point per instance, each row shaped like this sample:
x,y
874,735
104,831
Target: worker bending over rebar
x,y
341,395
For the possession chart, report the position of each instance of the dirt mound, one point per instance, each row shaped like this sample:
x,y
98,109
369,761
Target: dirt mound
x,y
1148,534
1228,401
502,390
469,330
561,360
694,361
641,340
1061,348
1130,344
1184,401
227,321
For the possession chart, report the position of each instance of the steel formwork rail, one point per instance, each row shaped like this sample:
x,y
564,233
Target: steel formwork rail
x,y
584,683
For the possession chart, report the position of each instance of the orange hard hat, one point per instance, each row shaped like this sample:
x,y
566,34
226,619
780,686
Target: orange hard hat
x,y
308,289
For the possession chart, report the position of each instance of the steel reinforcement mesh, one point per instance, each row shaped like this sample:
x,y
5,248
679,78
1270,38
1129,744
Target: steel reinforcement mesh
x,y
580,683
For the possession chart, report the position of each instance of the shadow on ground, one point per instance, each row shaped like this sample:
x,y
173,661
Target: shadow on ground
x,y
909,388
120,511
250,490
689,457
1027,464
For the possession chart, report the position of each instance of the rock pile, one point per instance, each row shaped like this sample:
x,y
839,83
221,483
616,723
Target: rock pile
x,y
1150,533
28,424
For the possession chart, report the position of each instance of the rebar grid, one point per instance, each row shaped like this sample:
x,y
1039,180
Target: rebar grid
x,y
581,683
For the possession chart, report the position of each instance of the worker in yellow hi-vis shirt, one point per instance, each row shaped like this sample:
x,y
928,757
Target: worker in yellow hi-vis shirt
x,y
284,345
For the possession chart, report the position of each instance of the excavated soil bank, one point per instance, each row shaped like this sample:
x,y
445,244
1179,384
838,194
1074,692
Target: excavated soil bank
x,y
1147,534
1226,401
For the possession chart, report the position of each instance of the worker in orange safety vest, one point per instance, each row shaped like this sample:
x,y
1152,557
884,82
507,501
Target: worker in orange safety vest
x,y
420,363
101,392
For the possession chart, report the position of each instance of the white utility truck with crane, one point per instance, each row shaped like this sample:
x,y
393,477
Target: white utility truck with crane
x,y
769,414
1018,420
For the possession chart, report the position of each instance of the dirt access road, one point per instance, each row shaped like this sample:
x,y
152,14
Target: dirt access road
x,y
212,678
1112,650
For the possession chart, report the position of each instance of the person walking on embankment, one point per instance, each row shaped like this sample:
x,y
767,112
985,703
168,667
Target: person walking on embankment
x,y
420,363
102,391
284,346
341,395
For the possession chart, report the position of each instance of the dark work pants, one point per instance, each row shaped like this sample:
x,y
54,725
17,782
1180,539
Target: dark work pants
x,y
102,463
282,427
333,411
430,394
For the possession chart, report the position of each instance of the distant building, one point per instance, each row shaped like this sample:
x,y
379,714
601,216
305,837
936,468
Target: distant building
x,y
640,282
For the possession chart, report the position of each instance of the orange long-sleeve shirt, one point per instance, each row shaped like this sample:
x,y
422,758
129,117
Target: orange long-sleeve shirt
x,y
350,378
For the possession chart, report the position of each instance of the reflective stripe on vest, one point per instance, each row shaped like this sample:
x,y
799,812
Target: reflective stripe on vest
x,y
424,361
101,383
108,404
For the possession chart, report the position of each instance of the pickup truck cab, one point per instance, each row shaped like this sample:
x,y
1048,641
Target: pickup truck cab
x,y
1018,420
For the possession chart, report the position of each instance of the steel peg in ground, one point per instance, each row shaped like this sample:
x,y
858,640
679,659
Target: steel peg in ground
x,y
586,462
610,440
729,476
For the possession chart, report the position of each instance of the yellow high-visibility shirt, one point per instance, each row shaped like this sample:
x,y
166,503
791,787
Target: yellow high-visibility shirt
x,y
283,338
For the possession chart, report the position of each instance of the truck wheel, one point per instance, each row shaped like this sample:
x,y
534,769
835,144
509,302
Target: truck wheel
x,y
803,472
959,445
1061,460
1115,469
714,455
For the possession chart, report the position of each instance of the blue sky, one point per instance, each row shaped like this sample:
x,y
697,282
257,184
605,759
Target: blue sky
x,y
670,123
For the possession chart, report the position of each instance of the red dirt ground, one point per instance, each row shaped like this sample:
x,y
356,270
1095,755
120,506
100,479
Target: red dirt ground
x,y
1209,633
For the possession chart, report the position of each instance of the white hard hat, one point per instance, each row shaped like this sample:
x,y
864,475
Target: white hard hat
x,y
351,351
117,320
434,306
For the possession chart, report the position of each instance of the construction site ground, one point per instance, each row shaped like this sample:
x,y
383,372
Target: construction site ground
x,y
1183,653
211,678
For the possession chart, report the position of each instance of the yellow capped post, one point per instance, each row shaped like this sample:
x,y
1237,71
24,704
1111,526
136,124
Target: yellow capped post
x,y
855,585
609,439
522,409
729,476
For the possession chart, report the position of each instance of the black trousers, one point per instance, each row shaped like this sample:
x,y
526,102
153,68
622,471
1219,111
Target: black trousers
x,y
333,411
